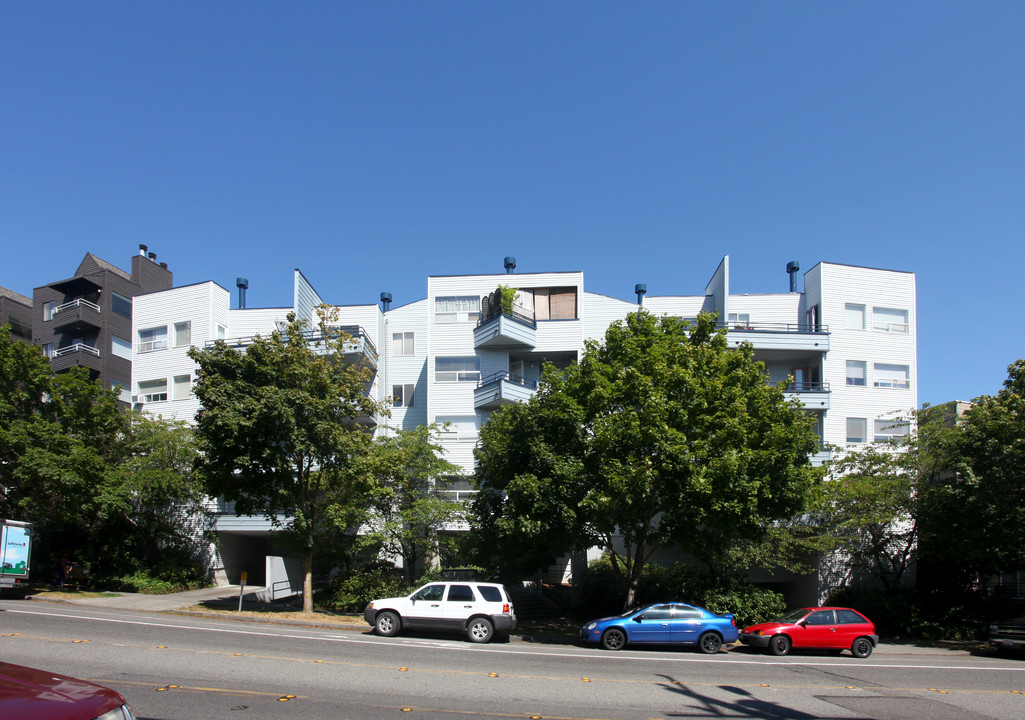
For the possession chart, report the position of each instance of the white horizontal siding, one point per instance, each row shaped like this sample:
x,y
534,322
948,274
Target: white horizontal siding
x,y
600,311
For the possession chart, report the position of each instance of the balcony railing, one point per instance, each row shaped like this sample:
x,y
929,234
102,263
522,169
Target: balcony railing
x,y
80,302
460,496
808,387
77,347
356,332
775,327
893,383
491,308
508,377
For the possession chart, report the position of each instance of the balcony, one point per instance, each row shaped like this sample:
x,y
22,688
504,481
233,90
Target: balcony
x,y
789,337
500,330
75,355
358,348
500,388
813,396
78,316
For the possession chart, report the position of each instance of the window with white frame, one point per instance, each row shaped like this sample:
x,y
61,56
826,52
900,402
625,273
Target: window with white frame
x,y
402,343
457,369
856,372
183,333
890,320
120,347
182,388
153,390
50,350
854,316
458,427
154,338
49,309
891,376
457,308
221,331
121,305
890,429
857,430
402,395
741,321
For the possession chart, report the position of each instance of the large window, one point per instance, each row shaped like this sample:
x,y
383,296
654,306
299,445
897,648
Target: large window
x,y
121,304
457,369
153,390
857,430
856,372
120,347
890,320
50,351
182,387
854,317
891,376
124,393
555,303
402,395
153,339
183,333
887,429
49,310
458,308
402,343
739,321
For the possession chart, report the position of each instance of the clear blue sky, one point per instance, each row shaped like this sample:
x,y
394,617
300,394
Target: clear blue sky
x,y
371,144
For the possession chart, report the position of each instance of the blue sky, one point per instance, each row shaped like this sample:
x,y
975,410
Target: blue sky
x,y
372,144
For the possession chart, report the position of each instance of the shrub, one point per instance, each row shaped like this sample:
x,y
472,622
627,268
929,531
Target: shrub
x,y
749,603
352,592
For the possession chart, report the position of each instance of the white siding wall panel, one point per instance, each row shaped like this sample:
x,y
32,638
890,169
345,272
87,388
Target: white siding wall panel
x,y
768,309
255,321
600,311
682,306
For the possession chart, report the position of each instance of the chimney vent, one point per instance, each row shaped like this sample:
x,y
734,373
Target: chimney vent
x,y
385,301
163,265
142,250
153,257
242,284
640,289
510,265
792,268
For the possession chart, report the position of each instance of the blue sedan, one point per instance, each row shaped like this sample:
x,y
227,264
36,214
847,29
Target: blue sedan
x,y
663,624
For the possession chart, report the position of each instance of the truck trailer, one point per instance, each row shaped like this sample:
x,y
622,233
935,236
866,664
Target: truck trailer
x,y
15,550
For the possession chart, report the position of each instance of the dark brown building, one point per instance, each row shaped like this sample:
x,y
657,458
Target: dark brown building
x,y
16,311
86,320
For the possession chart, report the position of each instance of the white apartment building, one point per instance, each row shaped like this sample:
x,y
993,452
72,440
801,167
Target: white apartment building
x,y
847,343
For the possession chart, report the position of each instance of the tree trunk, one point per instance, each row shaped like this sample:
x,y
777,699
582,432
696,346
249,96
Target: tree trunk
x,y
308,581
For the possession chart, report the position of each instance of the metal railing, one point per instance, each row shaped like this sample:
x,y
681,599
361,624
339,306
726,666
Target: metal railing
x,y
774,327
356,332
497,312
460,496
808,387
77,347
80,302
508,377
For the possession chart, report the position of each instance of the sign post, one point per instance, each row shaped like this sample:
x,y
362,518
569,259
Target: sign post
x,y
242,590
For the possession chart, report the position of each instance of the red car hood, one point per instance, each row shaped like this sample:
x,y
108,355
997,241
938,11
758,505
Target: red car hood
x,y
766,628
41,695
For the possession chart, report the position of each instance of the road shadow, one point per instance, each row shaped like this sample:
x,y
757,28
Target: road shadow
x,y
746,705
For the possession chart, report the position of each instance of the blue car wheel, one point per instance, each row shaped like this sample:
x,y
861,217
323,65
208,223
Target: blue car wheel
x,y
613,639
710,643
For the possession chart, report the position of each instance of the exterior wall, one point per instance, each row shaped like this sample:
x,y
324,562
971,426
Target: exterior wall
x,y
16,311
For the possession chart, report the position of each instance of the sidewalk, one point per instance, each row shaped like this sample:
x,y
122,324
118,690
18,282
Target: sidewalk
x,y
163,603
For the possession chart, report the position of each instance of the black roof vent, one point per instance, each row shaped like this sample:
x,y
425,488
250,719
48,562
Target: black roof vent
x,y
640,289
385,301
242,284
792,268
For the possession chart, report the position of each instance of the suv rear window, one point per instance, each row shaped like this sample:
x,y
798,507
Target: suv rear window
x,y
491,593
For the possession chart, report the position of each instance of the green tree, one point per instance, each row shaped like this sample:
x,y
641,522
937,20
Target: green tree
x,y
410,508
661,435
868,509
279,434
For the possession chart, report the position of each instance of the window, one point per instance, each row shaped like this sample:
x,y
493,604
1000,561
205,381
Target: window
x,y
891,376
431,592
182,387
811,317
48,310
402,343
49,350
856,372
402,395
153,390
221,331
461,308
889,320
183,333
460,593
740,321
120,347
889,429
849,617
457,369
854,317
120,304
821,617
857,430
153,339
490,593
124,394
555,303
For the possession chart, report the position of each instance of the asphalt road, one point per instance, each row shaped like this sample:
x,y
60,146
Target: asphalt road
x,y
174,667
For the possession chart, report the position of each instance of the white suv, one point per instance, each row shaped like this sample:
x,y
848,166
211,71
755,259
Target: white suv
x,y
478,609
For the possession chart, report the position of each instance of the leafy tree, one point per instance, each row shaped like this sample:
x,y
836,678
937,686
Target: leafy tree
x,y
279,436
410,509
660,435
869,509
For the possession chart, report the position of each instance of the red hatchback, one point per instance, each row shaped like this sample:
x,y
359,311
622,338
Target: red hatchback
x,y
818,628
40,695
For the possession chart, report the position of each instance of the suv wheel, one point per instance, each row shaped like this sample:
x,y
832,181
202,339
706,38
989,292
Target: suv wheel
x,y
480,630
387,624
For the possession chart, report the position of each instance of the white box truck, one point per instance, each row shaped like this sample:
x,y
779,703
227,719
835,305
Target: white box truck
x,y
15,550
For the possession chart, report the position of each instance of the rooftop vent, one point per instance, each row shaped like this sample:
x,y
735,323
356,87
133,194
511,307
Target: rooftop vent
x,y
792,268
385,301
640,289
142,250
510,264
242,284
